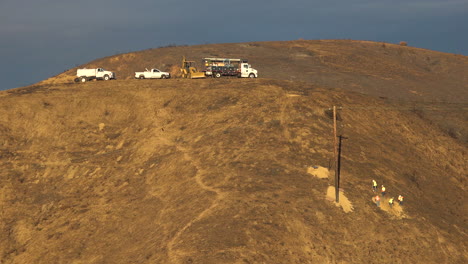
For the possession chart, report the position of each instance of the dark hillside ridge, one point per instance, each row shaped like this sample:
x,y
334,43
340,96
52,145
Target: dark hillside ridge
x,y
435,84
374,68
222,171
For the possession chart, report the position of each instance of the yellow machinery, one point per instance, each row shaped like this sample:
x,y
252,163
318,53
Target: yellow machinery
x,y
190,71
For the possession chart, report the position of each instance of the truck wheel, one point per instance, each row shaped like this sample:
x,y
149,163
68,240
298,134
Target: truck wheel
x,y
106,77
217,75
83,79
163,76
251,75
142,77
77,79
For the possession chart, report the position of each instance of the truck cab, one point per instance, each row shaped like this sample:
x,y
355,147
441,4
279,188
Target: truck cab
x,y
100,73
248,71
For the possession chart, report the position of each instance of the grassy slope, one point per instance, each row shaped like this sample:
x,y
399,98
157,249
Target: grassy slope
x,y
215,171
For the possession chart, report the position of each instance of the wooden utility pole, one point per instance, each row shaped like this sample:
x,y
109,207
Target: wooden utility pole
x,y
335,150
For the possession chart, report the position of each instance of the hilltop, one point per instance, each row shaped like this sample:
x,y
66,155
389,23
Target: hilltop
x,y
229,170
375,68
419,78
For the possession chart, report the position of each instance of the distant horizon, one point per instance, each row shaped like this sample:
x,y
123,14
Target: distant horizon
x,y
202,44
44,39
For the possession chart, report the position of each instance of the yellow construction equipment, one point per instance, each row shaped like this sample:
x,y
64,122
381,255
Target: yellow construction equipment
x,y
190,71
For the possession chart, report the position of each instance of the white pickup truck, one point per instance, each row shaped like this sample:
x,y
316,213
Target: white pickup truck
x,y
152,74
84,75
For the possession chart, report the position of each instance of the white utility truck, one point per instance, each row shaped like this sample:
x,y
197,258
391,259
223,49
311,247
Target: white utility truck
x,y
152,74
217,67
84,75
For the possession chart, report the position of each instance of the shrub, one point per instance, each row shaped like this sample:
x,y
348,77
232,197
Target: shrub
x,y
403,43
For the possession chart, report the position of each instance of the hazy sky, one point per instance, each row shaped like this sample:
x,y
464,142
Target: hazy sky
x,y
42,38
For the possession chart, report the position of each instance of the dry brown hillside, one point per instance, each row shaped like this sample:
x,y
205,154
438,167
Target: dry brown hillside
x,y
223,171
395,72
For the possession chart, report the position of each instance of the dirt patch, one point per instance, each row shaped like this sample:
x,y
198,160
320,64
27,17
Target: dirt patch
x,y
396,210
344,203
319,172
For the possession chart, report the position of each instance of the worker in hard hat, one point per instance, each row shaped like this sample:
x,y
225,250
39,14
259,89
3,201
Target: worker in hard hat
x,y
377,200
374,185
390,202
400,199
383,190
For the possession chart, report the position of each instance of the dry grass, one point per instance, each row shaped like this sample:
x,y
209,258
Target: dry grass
x,y
215,171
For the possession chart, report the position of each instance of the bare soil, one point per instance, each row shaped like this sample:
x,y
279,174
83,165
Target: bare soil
x,y
319,172
343,201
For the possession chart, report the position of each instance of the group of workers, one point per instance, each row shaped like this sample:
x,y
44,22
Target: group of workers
x,y
383,192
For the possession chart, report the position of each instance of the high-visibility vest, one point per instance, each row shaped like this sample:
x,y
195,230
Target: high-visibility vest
x,y
383,189
374,183
390,201
377,198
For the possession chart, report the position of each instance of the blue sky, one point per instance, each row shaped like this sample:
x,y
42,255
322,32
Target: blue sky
x,y
42,38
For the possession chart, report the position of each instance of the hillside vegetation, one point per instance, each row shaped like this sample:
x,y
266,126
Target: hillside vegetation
x,y
233,170
435,84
